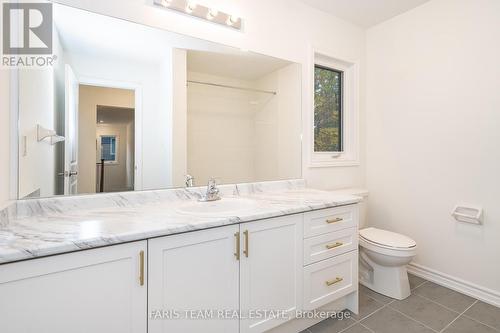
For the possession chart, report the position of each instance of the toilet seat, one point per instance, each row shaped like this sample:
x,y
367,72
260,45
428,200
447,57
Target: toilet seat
x,y
387,242
387,239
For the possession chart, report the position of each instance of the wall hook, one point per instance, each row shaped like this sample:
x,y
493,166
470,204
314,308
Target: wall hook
x,y
42,133
56,138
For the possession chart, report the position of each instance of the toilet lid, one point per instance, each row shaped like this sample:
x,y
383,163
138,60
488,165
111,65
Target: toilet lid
x,y
387,238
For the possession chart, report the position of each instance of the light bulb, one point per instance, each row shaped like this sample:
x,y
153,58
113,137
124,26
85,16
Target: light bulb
x,y
232,20
212,13
190,7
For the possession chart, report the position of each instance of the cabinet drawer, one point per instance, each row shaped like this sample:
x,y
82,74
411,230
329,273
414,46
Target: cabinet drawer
x,y
329,245
329,280
327,220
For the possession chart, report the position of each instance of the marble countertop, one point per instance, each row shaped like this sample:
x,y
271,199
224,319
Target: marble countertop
x,y
37,228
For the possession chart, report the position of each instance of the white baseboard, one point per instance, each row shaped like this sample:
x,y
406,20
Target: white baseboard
x,y
483,294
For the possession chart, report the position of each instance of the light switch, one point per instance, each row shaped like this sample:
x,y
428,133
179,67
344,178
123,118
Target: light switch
x,y
25,145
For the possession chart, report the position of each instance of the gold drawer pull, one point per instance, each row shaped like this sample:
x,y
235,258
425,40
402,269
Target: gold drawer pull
x,y
332,282
141,268
335,220
332,246
237,251
245,249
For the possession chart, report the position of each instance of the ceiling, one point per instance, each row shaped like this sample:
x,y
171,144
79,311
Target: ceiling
x,y
244,66
114,115
365,13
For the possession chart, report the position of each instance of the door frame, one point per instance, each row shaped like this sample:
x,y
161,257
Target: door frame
x,y
137,88
15,139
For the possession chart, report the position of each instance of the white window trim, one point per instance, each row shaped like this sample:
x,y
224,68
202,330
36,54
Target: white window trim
x,y
117,143
349,156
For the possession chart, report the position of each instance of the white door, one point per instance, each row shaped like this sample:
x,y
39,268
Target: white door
x,y
197,272
96,291
270,272
71,132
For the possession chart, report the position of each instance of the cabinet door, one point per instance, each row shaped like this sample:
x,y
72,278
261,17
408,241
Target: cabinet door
x,y
97,291
271,271
198,272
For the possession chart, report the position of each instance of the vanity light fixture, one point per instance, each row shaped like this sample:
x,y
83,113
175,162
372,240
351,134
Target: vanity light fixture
x,y
209,14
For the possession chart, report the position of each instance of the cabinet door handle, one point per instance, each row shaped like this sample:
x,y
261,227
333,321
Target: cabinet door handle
x,y
332,246
332,282
335,220
237,252
245,250
141,268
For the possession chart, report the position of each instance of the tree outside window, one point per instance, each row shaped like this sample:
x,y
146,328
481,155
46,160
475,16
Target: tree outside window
x,y
327,109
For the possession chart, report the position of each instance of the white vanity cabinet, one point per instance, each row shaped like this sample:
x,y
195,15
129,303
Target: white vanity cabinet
x,y
196,271
100,290
247,268
200,281
331,256
271,271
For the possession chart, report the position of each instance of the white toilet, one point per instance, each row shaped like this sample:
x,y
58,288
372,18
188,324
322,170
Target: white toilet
x,y
383,256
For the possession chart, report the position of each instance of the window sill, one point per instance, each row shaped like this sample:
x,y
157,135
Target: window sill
x,y
326,160
108,163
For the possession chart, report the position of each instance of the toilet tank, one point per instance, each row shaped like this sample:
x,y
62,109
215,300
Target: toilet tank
x,y
363,205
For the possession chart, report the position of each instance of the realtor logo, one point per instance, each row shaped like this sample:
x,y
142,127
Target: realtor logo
x,y
27,35
27,28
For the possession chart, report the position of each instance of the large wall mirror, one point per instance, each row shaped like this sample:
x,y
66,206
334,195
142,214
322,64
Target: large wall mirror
x,y
129,107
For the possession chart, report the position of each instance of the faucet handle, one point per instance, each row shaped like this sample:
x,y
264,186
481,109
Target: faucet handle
x,y
212,191
189,181
212,184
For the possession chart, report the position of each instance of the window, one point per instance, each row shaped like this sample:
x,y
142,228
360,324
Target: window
x,y
334,118
328,96
108,148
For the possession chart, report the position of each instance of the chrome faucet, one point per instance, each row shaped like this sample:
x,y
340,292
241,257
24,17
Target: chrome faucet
x,y
189,181
212,191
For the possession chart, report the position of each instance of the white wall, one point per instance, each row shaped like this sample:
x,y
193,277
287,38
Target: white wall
x,y
242,135
283,28
179,117
433,133
278,125
41,101
36,107
130,157
4,137
220,130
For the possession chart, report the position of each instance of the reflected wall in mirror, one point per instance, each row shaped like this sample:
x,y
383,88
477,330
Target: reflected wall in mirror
x,y
141,108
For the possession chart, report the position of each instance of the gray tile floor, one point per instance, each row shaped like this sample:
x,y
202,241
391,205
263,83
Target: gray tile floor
x,y
430,308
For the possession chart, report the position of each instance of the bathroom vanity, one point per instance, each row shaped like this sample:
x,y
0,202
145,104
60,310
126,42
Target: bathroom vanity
x,y
153,262
91,251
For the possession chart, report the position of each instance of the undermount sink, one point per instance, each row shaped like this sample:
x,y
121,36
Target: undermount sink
x,y
225,206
